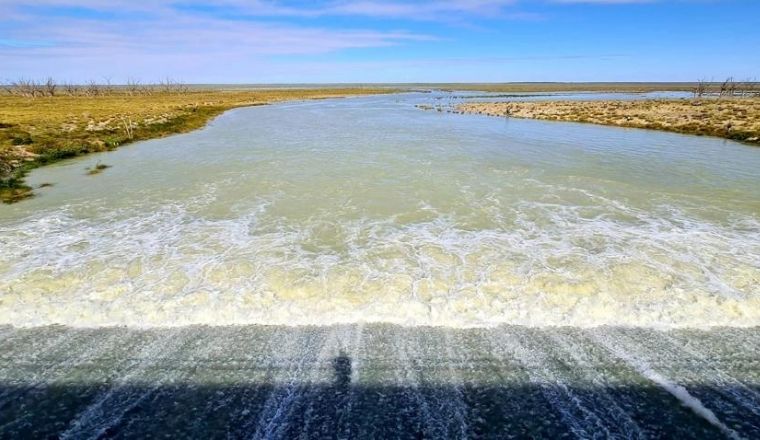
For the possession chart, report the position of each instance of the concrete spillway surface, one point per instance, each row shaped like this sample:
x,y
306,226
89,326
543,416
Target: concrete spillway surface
x,y
378,381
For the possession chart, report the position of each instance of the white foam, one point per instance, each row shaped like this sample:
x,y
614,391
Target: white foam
x,y
532,263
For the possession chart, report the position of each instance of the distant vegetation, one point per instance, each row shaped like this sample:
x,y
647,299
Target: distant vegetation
x,y
44,121
30,88
731,118
728,109
707,87
729,88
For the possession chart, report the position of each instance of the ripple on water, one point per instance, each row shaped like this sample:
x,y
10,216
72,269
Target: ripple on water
x,y
549,267
371,210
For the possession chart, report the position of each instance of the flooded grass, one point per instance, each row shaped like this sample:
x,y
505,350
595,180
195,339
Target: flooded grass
x,y
15,194
97,169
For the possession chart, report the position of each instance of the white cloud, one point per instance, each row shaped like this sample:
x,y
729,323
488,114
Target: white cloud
x,y
189,34
604,2
161,41
418,10
415,10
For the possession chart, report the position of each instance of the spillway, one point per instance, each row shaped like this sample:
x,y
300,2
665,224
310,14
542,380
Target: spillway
x,y
361,268
378,381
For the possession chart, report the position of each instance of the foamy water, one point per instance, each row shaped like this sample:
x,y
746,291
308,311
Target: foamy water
x,y
369,210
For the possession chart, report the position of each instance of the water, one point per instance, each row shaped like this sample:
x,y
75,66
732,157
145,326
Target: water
x,y
378,381
552,280
370,210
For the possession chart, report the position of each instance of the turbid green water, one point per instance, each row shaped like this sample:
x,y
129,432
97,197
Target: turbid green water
x,y
370,210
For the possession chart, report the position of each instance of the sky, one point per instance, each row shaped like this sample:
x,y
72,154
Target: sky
x,y
372,41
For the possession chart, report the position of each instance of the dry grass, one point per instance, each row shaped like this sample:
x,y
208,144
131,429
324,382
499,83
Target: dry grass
x,y
735,118
37,131
617,87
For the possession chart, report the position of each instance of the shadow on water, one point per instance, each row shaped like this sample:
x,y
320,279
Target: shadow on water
x,y
342,368
331,411
50,389
340,410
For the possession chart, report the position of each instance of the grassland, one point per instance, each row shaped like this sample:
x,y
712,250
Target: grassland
x,y
530,87
41,130
731,118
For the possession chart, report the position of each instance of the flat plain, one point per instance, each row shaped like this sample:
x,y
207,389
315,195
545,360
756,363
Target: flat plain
x,y
734,118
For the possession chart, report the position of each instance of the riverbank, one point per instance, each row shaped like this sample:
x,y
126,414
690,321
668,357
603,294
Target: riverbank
x,y
42,130
736,118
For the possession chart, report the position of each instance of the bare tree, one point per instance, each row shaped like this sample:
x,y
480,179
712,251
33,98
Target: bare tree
x,y
700,89
133,86
70,89
164,85
50,87
728,87
169,85
107,89
25,87
92,88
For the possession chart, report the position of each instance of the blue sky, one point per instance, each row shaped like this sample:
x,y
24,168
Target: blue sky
x,y
267,41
